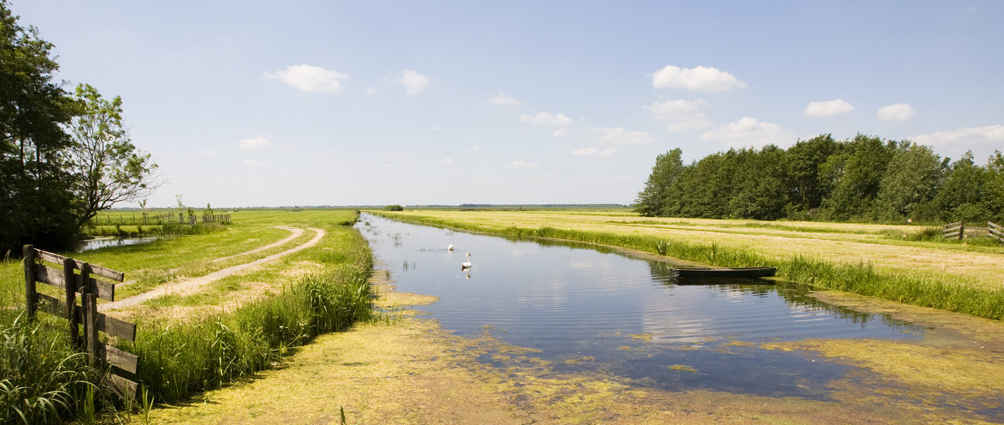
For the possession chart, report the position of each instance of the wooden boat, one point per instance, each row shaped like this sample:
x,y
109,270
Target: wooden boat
x,y
696,275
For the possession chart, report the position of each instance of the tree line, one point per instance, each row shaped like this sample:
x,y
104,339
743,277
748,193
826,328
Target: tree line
x,y
860,179
64,155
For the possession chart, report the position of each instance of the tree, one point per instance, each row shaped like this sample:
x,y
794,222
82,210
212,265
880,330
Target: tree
x,y
805,160
912,180
35,196
963,195
857,175
995,187
108,169
666,170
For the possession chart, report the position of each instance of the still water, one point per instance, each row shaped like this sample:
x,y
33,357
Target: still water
x,y
590,310
98,243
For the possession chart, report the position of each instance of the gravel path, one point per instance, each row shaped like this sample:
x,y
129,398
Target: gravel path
x,y
189,285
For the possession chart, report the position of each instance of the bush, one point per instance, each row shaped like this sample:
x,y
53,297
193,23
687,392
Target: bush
x,y
394,208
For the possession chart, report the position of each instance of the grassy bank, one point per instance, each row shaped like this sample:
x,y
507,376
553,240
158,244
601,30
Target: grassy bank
x,y
861,278
317,290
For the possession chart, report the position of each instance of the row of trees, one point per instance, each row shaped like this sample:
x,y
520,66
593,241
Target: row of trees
x,y
64,155
861,179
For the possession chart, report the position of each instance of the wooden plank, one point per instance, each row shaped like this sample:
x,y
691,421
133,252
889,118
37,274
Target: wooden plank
x,y
30,294
90,305
97,270
56,278
70,296
110,325
121,359
122,386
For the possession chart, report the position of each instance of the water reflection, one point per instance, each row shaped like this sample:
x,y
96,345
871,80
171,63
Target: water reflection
x,y
92,244
623,315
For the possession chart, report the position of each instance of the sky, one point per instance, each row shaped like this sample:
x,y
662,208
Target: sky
x,y
251,103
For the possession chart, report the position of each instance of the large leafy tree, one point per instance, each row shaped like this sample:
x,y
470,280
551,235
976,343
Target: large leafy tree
x,y
963,195
911,181
34,187
995,187
667,169
107,167
857,175
805,160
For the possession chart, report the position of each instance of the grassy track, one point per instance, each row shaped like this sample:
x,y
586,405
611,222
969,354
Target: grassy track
x,y
868,262
207,338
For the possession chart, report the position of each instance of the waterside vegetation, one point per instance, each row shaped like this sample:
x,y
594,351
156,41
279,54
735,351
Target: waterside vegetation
x,y
314,291
924,289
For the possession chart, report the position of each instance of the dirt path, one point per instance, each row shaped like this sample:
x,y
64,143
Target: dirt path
x,y
296,232
191,284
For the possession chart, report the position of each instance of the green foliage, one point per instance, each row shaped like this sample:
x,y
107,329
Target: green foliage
x,y
862,179
666,171
62,157
42,379
35,195
179,360
394,208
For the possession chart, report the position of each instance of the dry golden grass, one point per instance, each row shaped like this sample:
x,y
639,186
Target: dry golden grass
x,y
945,262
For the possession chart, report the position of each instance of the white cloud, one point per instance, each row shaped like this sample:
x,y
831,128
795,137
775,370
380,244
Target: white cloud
x,y
371,91
255,144
309,78
594,151
970,136
561,132
546,119
748,132
413,82
620,136
503,99
447,161
519,163
252,163
701,78
682,114
827,108
896,112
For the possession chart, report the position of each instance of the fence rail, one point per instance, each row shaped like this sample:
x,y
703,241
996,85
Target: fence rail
x,y
122,364
996,231
158,219
955,230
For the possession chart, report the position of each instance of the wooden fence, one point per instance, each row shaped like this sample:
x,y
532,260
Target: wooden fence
x,y
158,219
122,364
955,230
996,231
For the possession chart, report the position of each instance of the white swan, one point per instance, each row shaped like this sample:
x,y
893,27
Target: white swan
x,y
467,264
450,248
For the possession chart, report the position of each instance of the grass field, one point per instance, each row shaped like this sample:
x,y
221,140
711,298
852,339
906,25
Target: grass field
x,y
871,259
206,337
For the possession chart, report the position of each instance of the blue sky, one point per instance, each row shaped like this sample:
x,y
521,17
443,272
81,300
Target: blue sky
x,y
285,103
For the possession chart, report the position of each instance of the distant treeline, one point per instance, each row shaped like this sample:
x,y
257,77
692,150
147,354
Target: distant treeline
x,y
862,179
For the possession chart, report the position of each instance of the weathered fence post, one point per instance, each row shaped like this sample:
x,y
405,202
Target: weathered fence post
x,y
31,297
71,299
962,230
90,303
